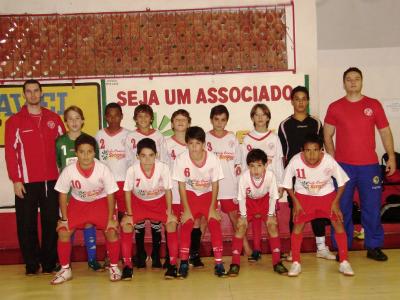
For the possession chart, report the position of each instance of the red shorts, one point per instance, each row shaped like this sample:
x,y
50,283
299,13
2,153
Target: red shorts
x,y
120,197
315,207
80,213
199,205
227,205
258,206
177,210
155,210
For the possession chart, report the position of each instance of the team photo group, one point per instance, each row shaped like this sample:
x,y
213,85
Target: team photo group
x,y
122,181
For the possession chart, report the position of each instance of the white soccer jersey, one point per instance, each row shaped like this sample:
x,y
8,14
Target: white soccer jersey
x,y
198,179
145,187
255,189
171,150
313,180
98,185
134,138
268,142
112,151
227,149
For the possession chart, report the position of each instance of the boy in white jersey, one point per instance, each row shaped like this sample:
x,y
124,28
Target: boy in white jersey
x,y
148,196
92,186
65,151
314,196
263,138
227,148
198,173
111,141
257,196
143,117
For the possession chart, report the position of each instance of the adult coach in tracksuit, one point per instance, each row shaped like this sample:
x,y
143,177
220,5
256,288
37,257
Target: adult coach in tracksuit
x,y
30,153
354,118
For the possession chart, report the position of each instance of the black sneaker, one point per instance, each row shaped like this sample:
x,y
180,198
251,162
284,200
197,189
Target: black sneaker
x,y
183,269
127,273
219,270
140,260
195,261
172,272
280,268
95,266
376,254
156,262
166,263
255,256
233,270
31,270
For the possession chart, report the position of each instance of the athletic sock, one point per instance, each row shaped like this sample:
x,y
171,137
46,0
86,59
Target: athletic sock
x,y
156,238
216,239
237,246
275,244
126,248
172,238
256,228
89,235
320,240
341,240
186,230
296,240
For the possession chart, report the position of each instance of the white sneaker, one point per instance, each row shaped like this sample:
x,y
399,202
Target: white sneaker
x,y
62,276
115,273
326,254
295,269
345,268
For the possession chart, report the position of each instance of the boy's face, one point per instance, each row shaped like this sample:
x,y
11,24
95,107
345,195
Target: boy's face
x,y
195,146
114,117
74,121
257,168
147,157
352,83
300,102
180,123
85,154
259,118
219,122
143,120
312,153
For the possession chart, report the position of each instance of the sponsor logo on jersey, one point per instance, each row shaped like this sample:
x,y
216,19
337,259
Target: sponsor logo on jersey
x,y
376,180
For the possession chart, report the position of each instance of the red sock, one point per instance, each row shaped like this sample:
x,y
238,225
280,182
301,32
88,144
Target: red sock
x,y
237,246
216,239
341,240
186,231
113,251
256,227
275,244
172,240
296,240
64,252
126,247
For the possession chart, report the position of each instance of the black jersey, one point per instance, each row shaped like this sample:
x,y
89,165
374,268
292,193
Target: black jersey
x,y
292,133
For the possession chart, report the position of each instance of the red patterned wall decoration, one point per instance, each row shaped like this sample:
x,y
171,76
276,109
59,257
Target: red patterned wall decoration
x,y
149,43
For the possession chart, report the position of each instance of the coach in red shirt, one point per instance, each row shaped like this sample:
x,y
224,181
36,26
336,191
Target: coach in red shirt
x,y
354,118
30,151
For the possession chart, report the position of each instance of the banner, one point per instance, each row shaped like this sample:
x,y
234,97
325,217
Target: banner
x,y
198,94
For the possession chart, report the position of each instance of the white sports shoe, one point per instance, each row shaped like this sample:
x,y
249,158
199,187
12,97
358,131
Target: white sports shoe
x,y
115,273
295,269
326,254
345,268
62,276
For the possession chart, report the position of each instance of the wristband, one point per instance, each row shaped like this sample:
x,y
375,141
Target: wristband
x,y
243,216
271,215
64,220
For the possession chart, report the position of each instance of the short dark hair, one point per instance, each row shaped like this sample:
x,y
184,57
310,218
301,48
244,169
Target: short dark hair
x,y
85,139
219,110
181,112
352,69
264,108
299,89
256,155
143,108
313,139
112,105
146,143
195,133
31,81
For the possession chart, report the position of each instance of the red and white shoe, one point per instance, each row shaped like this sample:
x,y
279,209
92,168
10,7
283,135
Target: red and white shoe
x,y
115,273
62,276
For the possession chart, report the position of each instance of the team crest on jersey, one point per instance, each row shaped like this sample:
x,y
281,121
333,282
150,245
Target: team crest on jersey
x,y
51,124
104,154
368,112
376,180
